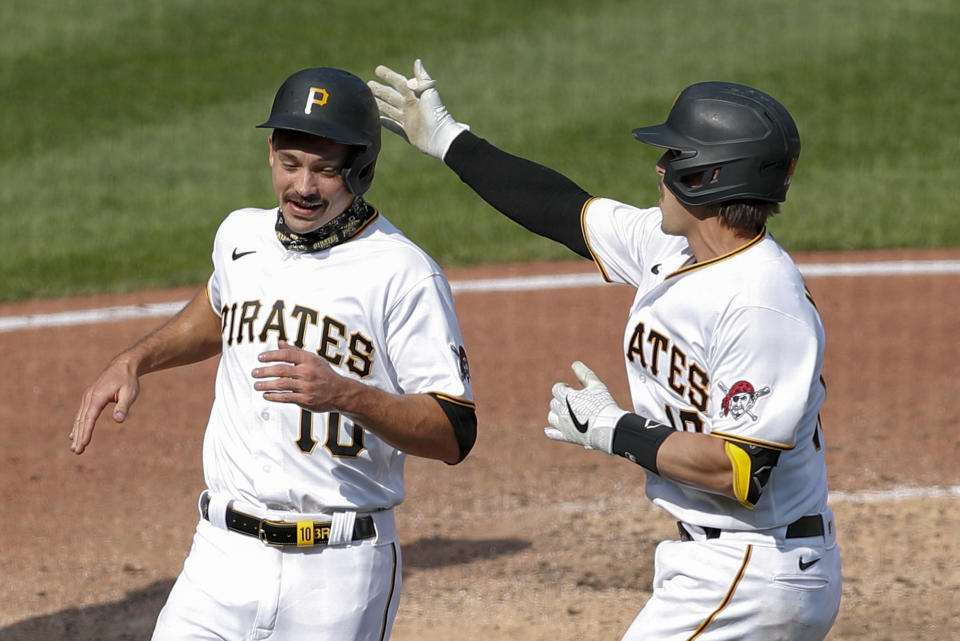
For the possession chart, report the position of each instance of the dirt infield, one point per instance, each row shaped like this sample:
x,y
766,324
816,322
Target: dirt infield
x,y
527,539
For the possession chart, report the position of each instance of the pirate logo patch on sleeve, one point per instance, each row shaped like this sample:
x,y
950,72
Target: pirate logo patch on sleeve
x,y
740,399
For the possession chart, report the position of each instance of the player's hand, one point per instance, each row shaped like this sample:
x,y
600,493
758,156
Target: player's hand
x,y
300,377
586,416
412,108
118,384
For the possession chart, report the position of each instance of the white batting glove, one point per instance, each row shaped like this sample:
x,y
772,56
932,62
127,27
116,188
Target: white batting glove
x,y
587,416
411,108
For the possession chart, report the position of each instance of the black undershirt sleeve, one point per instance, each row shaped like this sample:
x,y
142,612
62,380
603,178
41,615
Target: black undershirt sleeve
x,y
537,197
463,418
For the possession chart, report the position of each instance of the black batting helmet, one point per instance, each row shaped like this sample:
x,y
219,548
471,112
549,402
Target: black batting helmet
x,y
734,143
337,105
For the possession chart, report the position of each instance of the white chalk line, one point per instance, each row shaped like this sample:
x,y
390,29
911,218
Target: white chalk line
x,y
894,494
513,284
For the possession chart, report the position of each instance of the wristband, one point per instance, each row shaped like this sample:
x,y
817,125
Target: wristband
x,y
639,439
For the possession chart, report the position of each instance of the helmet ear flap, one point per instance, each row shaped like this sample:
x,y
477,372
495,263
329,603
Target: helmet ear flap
x,y
358,174
699,178
688,184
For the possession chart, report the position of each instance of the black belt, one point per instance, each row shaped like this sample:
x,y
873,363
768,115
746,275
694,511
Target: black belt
x,y
284,533
803,527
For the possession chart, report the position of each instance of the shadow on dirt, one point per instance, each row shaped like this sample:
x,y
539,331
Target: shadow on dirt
x,y
437,551
133,618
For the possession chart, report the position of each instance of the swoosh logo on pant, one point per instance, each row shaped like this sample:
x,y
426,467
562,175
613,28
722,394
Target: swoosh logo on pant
x,y
805,565
581,427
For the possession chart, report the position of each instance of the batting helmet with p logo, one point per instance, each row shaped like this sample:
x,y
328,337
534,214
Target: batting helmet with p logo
x,y
337,105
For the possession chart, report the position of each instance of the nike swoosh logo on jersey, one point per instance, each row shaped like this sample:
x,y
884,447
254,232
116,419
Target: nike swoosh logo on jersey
x,y
581,427
656,268
237,254
807,564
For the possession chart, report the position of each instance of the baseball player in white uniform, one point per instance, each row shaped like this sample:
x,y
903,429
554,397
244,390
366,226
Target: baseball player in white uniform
x,y
723,351
340,354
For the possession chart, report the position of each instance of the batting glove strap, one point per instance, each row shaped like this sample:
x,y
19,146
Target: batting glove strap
x,y
639,439
604,427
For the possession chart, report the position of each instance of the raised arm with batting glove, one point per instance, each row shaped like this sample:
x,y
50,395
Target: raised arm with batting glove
x,y
412,109
543,200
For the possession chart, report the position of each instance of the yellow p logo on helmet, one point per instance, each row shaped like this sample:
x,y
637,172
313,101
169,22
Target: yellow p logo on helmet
x,y
317,96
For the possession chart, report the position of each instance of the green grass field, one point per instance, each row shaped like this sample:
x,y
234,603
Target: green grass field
x,y
128,127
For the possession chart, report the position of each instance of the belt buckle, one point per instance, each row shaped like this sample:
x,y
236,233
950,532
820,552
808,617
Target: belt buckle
x,y
262,535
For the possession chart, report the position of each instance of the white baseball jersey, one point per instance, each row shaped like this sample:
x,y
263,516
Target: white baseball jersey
x,y
376,307
732,346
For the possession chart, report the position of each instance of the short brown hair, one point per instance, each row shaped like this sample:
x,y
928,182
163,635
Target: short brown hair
x,y
747,215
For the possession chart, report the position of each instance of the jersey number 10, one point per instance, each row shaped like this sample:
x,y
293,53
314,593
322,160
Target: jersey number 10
x,y
306,442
